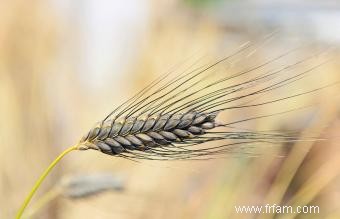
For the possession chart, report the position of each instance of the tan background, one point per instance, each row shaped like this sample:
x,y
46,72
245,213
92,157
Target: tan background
x,y
65,64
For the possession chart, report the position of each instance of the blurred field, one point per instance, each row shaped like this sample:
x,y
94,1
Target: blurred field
x,y
65,64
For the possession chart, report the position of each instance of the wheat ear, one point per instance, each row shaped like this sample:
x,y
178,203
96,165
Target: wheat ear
x,y
171,117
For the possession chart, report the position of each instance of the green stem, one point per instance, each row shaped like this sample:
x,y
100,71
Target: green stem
x,y
41,179
45,199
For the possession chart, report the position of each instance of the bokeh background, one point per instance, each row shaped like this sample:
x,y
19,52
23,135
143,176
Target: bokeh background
x,y
65,64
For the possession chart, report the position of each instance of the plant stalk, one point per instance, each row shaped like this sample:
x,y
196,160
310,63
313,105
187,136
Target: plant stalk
x,y
41,179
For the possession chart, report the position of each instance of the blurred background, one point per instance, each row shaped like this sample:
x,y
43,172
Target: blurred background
x,y
65,64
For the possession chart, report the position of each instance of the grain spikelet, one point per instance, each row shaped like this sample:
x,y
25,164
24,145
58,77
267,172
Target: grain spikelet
x,y
175,114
